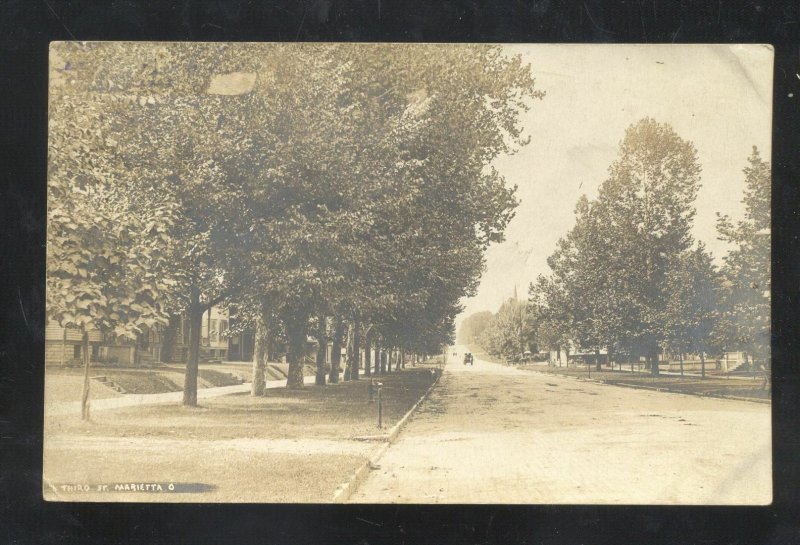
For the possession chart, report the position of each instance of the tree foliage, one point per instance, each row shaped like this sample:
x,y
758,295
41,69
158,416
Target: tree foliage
x,y
747,269
630,277
310,179
616,275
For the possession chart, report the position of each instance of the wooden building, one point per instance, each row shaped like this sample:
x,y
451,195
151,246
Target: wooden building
x,y
63,346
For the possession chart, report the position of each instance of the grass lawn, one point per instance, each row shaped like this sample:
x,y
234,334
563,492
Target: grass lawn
x,y
290,445
64,384
711,385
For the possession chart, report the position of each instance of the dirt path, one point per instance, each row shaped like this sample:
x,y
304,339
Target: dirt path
x,y
493,434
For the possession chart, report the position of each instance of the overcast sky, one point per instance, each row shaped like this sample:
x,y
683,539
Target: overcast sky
x,y
719,97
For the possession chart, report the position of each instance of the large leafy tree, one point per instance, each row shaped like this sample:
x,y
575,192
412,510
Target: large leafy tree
x,y
547,298
580,267
747,270
648,203
175,144
609,285
513,330
107,259
693,307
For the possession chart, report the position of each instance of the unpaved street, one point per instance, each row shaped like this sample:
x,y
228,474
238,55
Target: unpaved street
x,y
493,434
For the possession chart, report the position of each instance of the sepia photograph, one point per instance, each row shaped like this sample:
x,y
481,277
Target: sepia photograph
x,y
408,273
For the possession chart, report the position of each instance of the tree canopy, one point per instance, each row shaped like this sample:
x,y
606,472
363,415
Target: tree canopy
x,y
629,277
311,179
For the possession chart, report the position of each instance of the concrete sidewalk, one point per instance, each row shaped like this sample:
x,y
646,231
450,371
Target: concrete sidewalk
x,y
131,400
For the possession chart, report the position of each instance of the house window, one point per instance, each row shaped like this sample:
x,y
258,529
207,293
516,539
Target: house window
x,y
76,351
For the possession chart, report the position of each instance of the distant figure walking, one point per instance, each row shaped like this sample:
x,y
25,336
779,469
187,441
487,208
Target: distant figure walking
x,y
468,358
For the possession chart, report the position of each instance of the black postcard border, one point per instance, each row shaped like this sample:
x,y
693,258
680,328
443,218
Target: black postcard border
x,y
27,27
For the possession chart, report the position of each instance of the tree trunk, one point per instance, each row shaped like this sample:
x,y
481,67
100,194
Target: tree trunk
x,y
403,358
319,379
195,312
383,361
348,353
136,355
702,364
680,358
260,356
63,346
85,391
356,349
208,329
170,336
336,351
597,364
367,354
653,357
297,333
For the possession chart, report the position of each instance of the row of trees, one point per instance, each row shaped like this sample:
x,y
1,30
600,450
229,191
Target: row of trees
x,y
508,333
630,278
313,189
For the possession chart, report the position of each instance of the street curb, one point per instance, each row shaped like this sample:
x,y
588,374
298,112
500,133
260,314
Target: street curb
x,y
655,389
345,490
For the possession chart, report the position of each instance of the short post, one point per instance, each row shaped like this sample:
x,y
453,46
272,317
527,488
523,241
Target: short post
x,y
380,406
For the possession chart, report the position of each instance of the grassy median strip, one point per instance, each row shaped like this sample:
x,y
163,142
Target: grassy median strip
x,y
709,386
289,445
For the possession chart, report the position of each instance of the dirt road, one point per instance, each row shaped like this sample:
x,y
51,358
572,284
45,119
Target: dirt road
x,y
493,434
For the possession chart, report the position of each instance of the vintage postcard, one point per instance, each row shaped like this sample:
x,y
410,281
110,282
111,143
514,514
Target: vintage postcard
x,y
408,273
